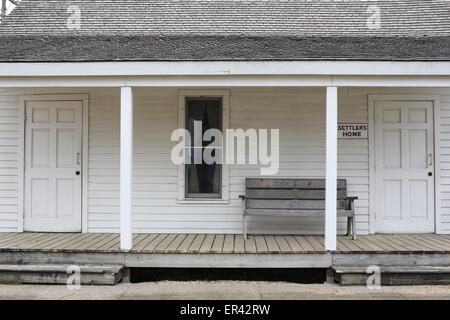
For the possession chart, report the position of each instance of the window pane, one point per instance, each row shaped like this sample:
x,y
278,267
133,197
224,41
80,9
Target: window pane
x,y
202,179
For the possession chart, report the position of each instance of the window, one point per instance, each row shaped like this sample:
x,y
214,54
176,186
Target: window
x,y
202,180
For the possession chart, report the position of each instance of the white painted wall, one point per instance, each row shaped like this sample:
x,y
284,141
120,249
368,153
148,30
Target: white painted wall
x,y
9,133
299,115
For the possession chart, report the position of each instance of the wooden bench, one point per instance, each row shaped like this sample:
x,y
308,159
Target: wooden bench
x,y
294,197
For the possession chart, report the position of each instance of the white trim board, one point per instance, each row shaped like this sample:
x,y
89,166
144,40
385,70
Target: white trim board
x,y
85,147
183,68
437,171
221,81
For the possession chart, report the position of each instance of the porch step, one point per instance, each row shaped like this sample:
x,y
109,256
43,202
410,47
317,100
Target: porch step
x,y
59,274
394,275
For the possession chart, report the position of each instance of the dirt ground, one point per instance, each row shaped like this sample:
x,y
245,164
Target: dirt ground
x,y
221,290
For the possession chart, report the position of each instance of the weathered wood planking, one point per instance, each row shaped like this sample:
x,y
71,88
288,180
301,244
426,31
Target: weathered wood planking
x,y
280,183
218,244
298,204
293,212
225,244
290,194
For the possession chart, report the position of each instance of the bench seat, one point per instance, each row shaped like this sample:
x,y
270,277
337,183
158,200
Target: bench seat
x,y
294,198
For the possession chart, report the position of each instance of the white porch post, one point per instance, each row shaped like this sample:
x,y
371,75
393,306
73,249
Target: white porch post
x,y
331,169
126,165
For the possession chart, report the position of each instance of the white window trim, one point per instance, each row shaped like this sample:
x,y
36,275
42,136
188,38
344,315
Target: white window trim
x,y
225,95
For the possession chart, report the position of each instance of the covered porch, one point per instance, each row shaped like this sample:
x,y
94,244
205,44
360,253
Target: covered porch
x,y
130,187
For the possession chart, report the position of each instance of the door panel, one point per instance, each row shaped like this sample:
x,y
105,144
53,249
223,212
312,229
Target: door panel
x,y
52,158
404,167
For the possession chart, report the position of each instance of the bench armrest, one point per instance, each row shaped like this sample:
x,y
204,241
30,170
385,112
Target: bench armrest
x,y
350,202
243,197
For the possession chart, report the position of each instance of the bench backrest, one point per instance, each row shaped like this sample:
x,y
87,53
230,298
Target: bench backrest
x,y
296,194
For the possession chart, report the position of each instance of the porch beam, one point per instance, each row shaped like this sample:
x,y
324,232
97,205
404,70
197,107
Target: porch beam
x,y
225,81
126,166
331,169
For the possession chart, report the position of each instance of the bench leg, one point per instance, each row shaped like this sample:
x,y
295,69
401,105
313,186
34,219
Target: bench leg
x,y
244,226
349,226
353,228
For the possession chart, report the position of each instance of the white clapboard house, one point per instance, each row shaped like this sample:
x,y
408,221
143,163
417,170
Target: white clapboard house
x,y
91,92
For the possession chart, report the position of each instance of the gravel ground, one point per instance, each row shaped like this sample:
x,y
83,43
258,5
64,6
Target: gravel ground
x,y
227,290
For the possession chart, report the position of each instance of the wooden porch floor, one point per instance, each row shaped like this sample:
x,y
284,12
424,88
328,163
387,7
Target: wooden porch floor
x,y
223,244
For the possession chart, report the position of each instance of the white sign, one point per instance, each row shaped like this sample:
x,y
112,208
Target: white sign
x,y
352,130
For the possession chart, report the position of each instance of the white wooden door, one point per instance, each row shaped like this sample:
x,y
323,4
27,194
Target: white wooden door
x,y
53,142
404,166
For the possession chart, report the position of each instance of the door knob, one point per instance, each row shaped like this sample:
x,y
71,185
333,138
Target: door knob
x,y
77,173
430,174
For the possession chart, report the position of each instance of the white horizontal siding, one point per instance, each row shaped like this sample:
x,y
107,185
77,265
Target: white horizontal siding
x,y
9,164
300,117
445,162
298,113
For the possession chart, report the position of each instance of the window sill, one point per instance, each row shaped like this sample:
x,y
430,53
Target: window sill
x,y
203,201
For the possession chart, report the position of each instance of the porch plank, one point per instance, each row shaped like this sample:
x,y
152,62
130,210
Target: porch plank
x,y
114,245
239,244
176,243
423,244
341,246
228,244
307,247
407,244
271,243
162,246
59,244
433,243
105,241
318,247
93,242
41,242
150,247
78,241
439,239
379,243
11,238
250,244
445,238
283,244
370,244
63,239
184,246
400,244
5,235
261,246
207,243
218,243
393,244
293,244
350,244
17,242
140,245
197,243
